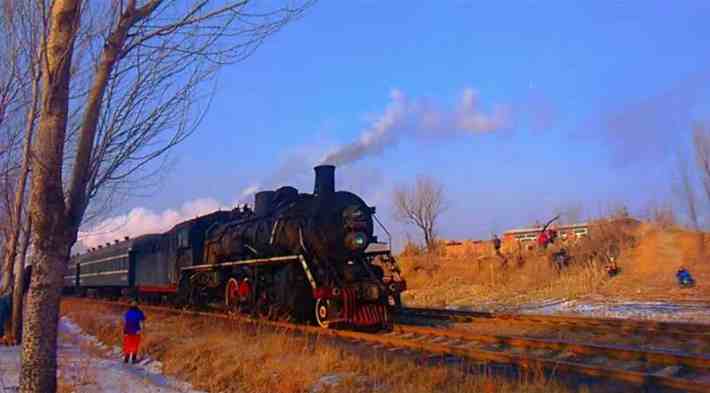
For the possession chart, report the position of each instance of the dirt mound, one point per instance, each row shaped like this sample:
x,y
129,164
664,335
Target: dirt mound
x,y
647,265
649,269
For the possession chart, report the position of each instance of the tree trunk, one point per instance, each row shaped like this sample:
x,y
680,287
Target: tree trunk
x,y
18,291
427,240
39,346
51,235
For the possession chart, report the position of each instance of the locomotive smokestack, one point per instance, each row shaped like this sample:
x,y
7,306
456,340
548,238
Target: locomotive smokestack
x,y
325,180
262,202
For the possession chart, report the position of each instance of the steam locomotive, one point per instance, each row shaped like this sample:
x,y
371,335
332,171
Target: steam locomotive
x,y
307,257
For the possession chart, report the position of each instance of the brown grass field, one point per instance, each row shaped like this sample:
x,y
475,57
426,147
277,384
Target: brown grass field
x,y
218,356
648,266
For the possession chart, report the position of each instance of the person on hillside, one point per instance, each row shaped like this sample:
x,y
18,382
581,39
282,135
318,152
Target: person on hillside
x,y
496,244
543,239
5,313
551,236
132,326
611,267
685,280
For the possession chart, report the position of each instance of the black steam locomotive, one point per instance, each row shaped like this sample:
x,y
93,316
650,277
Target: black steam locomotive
x,y
296,255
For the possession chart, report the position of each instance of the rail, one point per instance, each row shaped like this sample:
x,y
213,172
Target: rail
x,y
672,329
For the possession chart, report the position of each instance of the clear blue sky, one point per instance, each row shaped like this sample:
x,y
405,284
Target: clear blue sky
x,y
603,95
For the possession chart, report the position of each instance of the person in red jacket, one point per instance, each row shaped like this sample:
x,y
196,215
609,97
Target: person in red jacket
x,y
542,239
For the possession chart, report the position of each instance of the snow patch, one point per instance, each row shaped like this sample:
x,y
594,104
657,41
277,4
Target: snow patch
x,y
9,369
329,381
651,310
94,374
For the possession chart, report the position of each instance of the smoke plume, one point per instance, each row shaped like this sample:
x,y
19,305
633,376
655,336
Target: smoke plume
x,y
420,118
141,221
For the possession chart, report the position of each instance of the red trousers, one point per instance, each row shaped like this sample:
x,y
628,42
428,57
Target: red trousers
x,y
131,343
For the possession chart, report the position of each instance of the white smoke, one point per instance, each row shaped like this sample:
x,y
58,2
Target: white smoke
x,y
414,117
140,221
249,191
419,118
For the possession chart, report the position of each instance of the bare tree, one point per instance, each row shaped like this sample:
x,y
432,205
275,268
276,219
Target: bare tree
x,y
686,192
15,214
21,28
421,205
661,213
121,85
701,144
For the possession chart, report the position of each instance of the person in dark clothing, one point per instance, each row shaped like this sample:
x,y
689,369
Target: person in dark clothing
x,y
611,267
685,280
132,326
5,312
496,244
551,236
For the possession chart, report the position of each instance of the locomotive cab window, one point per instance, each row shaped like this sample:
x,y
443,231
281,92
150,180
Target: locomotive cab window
x,y
183,238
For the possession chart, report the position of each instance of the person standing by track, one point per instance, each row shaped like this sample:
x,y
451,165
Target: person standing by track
x,y
132,326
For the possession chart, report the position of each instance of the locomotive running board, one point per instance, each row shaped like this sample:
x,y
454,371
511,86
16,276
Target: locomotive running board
x,y
259,262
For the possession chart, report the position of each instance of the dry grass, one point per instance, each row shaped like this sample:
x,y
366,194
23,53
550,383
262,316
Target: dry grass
x,y
648,257
444,282
219,356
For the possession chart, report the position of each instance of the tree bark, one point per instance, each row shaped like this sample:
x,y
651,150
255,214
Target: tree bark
x,y
39,346
51,240
18,292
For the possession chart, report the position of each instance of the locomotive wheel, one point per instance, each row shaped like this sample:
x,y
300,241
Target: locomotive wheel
x,y
231,294
321,310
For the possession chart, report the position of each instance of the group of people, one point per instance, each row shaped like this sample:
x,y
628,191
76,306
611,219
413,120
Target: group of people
x,y
548,236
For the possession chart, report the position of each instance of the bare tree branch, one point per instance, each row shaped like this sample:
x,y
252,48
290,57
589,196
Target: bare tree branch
x,y
421,205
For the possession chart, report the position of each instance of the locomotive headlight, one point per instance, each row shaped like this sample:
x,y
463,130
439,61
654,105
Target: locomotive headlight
x,y
356,241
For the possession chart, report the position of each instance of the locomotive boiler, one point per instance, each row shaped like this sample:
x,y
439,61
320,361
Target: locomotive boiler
x,y
303,256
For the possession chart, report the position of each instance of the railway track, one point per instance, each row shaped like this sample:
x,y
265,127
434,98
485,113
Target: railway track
x,y
644,368
678,330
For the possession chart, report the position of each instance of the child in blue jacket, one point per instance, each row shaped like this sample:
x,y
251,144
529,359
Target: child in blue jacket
x,y
685,280
132,325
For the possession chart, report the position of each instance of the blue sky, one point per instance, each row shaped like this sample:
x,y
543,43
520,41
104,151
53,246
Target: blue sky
x,y
600,96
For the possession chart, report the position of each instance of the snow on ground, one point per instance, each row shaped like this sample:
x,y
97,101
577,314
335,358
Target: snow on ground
x,y
9,369
82,366
602,308
685,311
